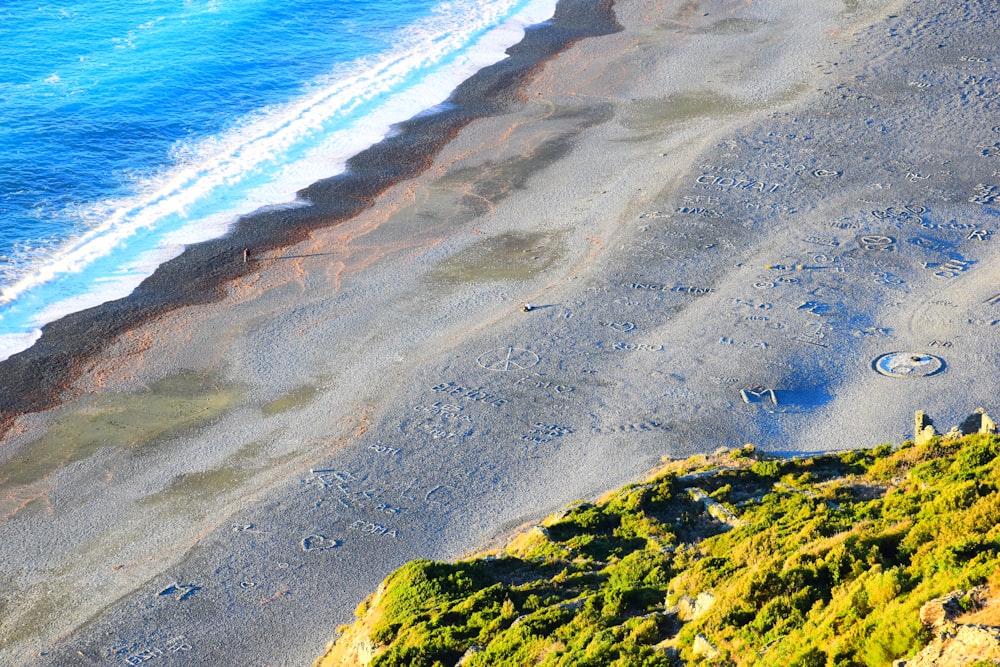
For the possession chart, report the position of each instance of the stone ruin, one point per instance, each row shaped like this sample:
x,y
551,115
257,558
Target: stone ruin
x,y
977,422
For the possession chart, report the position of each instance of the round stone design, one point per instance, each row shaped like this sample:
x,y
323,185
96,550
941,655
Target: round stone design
x,y
908,364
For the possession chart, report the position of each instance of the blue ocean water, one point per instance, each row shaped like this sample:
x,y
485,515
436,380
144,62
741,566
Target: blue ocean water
x,y
130,128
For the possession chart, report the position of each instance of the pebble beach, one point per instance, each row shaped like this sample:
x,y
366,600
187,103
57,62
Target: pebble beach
x,y
664,227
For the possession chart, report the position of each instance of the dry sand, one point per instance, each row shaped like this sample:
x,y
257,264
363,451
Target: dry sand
x,y
722,215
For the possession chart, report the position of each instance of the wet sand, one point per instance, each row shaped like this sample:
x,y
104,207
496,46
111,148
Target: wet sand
x,y
723,215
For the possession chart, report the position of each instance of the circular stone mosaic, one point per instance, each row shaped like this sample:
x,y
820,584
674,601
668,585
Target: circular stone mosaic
x,y
908,364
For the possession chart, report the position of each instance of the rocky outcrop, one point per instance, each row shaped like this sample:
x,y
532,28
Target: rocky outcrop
x,y
956,644
937,612
703,648
967,645
689,608
715,509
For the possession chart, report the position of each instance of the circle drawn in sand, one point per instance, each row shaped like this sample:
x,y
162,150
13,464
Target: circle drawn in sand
x,y
908,364
507,359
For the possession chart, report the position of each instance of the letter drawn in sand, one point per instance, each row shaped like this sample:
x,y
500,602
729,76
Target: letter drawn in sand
x,y
758,394
877,242
624,327
816,308
985,194
815,337
317,542
507,359
390,509
180,591
440,495
885,278
900,213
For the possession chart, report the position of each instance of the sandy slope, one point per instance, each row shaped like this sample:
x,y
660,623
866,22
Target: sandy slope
x,y
243,473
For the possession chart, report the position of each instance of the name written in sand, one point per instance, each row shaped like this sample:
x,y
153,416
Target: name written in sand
x,y
536,381
638,347
738,182
170,647
543,432
908,211
953,268
328,478
678,289
477,394
370,528
985,194
445,411
632,427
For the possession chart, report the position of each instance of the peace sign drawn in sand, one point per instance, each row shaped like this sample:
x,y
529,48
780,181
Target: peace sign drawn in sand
x,y
507,359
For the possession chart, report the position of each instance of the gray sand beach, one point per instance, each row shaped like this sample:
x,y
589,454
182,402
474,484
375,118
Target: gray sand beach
x,y
769,221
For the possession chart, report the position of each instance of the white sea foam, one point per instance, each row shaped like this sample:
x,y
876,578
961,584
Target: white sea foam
x,y
11,344
264,161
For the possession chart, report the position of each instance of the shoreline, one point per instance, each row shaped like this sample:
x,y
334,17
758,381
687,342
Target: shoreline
x,y
35,378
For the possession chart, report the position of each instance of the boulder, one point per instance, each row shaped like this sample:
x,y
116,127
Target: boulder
x,y
939,611
704,649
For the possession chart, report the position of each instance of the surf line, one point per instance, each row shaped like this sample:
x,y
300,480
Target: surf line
x,y
35,379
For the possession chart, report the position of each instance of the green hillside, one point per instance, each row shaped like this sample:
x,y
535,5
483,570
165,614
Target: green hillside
x,y
736,559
